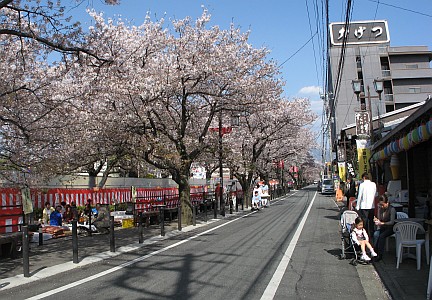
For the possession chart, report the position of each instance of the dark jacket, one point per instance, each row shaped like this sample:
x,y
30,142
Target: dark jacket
x,y
350,189
56,218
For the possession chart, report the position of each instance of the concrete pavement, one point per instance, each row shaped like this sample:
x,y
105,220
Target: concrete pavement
x,y
405,283
55,257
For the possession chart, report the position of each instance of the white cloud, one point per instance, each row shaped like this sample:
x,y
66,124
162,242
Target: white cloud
x,y
310,90
317,106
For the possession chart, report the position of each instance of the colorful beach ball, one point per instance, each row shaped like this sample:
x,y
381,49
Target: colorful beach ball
x,y
429,126
423,133
415,136
405,143
395,146
389,149
400,142
386,151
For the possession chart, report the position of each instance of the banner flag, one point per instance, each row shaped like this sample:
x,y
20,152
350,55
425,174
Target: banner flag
x,y
26,201
342,171
363,155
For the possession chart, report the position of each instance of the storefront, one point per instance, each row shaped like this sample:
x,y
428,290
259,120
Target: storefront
x,y
402,162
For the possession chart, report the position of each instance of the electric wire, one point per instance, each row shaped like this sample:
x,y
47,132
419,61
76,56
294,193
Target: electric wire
x,y
347,111
340,65
313,44
401,8
298,50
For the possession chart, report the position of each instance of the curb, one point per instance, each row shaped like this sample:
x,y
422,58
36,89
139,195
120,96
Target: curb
x,y
19,280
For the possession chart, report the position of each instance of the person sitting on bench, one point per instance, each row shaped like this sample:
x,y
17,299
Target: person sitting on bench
x,y
102,221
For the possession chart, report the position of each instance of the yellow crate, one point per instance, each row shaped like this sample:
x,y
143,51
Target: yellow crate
x,y
127,223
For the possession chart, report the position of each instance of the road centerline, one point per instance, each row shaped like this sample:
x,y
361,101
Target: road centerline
x,y
276,279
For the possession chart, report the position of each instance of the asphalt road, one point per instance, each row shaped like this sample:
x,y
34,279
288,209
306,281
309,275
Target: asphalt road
x,y
286,251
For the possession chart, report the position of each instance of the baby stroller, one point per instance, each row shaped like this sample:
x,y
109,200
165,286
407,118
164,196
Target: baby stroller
x,y
348,246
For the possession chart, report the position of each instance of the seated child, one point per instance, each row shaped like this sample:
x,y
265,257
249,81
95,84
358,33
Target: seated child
x,y
361,238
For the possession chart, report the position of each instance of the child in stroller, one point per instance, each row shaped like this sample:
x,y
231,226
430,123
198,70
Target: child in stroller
x,y
349,246
360,238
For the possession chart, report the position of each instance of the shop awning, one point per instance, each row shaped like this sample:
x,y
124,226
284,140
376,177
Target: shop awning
x,y
415,129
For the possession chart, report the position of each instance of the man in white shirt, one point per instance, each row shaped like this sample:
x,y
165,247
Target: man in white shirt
x,y
365,202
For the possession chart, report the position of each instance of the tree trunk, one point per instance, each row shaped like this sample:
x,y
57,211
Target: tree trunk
x,y
184,197
245,182
91,181
104,178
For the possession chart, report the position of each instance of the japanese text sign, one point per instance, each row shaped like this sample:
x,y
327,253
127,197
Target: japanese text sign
x,y
362,123
364,32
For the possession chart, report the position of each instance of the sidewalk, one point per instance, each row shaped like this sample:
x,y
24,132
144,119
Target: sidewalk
x,y
55,255
403,283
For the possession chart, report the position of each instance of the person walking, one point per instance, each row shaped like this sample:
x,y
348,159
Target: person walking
x,y
350,189
384,221
340,192
365,202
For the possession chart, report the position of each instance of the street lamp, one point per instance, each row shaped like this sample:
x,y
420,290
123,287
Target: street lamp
x,y
221,131
357,88
221,201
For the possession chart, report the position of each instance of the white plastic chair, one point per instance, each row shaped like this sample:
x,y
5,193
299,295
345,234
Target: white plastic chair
x,y
407,238
399,215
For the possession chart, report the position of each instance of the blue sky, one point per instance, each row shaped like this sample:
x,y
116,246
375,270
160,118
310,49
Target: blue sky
x,y
284,27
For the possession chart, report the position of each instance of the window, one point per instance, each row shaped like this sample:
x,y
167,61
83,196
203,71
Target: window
x,y
414,90
382,49
327,182
386,73
388,97
385,66
412,66
389,108
358,62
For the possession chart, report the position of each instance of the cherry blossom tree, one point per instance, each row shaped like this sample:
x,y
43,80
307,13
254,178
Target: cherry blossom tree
x,y
271,133
33,108
123,92
164,87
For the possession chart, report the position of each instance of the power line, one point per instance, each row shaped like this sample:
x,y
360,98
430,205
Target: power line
x,y
348,112
341,62
313,44
401,8
299,49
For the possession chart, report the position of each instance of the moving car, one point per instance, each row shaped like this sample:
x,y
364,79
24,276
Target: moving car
x,y
327,186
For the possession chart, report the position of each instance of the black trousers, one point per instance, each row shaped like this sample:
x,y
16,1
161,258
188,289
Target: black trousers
x,y
381,236
367,215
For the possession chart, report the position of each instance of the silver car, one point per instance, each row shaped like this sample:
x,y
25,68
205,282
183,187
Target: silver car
x,y
327,187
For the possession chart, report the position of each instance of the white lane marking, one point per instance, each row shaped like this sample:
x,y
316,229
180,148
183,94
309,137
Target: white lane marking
x,y
126,264
274,283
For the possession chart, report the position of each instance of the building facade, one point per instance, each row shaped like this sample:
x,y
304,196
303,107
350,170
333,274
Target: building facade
x,y
361,51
